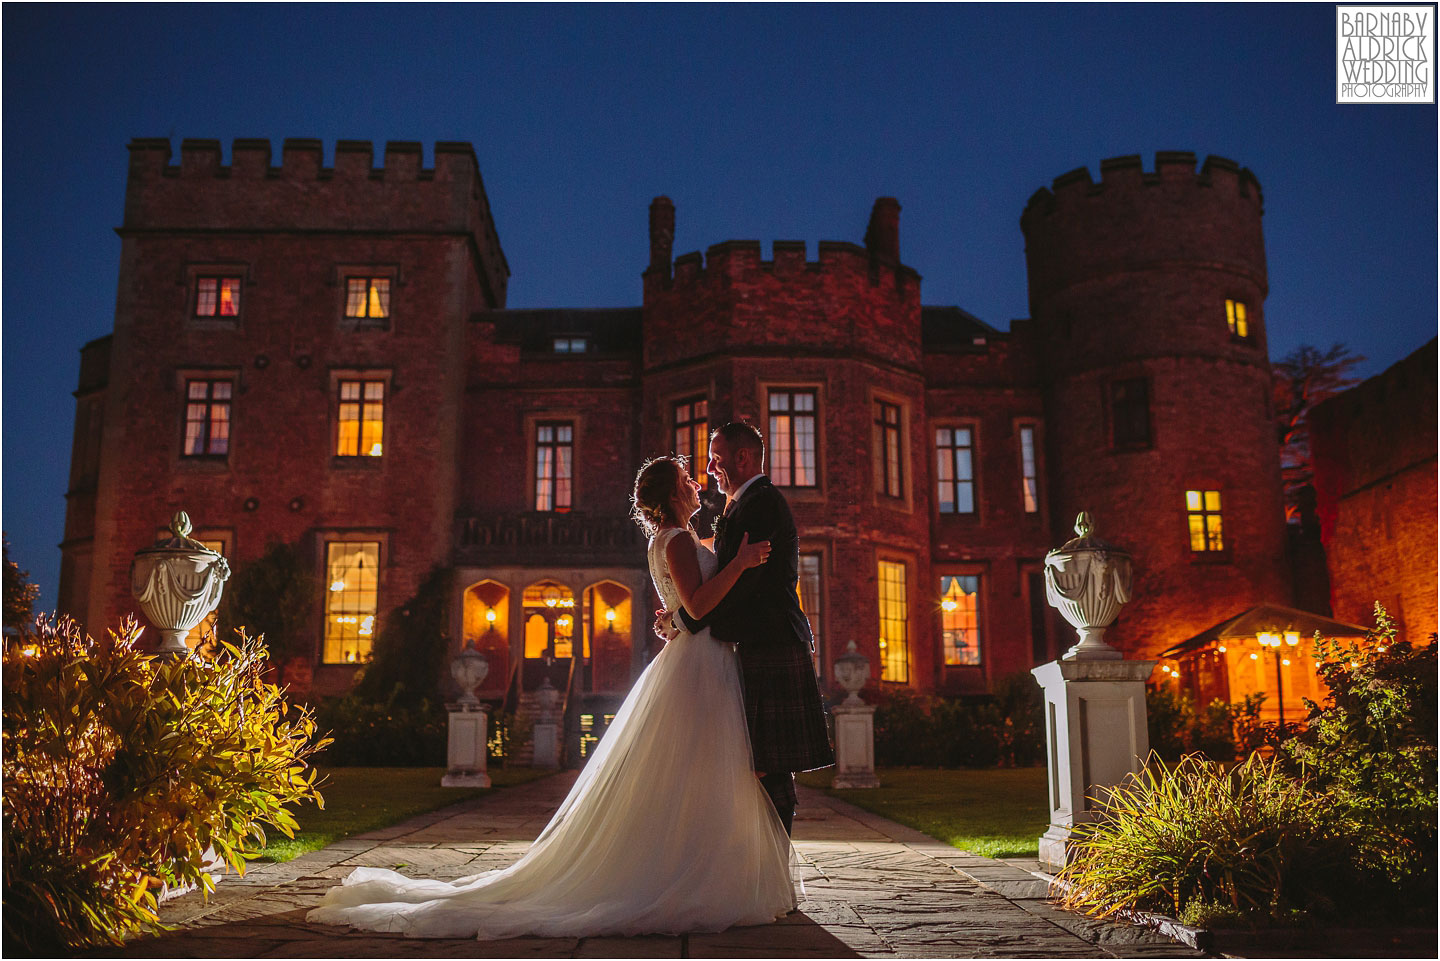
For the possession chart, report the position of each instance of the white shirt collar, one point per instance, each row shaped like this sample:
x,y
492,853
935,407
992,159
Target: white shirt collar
x,y
735,498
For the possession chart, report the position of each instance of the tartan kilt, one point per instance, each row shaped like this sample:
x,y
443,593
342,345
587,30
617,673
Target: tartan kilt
x,y
783,709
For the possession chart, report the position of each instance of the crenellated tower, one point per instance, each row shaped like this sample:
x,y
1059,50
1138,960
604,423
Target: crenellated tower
x,y
1147,290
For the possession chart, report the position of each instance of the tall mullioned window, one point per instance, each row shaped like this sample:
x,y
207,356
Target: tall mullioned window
x,y
1202,511
367,300
1029,479
352,593
887,449
207,418
692,436
361,419
792,438
807,586
955,470
960,619
1130,412
217,297
554,465
894,624
1235,317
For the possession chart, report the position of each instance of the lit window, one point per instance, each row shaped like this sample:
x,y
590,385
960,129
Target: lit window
x,y
960,619
352,590
1235,317
894,624
1202,509
955,470
792,438
207,418
887,449
554,453
207,624
361,419
1029,482
807,586
217,296
367,298
1130,412
692,436
570,345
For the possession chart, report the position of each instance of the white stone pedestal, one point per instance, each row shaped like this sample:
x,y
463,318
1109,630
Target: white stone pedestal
x,y
854,746
547,744
469,750
1095,736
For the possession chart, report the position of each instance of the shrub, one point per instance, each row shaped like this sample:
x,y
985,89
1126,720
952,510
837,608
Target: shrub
x,y
388,734
270,597
1195,839
1005,728
409,656
1372,748
1177,728
121,768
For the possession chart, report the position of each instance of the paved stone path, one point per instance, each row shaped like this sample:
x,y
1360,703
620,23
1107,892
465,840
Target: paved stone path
x,y
873,888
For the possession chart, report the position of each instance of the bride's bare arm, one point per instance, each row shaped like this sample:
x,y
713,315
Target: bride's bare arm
x,y
699,597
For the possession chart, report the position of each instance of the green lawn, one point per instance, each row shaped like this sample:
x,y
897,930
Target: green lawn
x,y
360,799
998,813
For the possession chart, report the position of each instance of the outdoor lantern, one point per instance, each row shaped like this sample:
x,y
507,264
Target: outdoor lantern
x,y
469,669
551,596
852,670
490,615
610,616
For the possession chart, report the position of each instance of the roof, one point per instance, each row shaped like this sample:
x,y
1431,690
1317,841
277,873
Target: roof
x,y
942,327
1267,617
608,329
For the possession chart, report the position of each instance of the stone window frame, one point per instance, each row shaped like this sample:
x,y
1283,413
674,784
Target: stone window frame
x,y
981,572
698,439
1037,427
816,389
905,500
344,273
910,568
196,271
972,424
204,462
1206,555
1235,319
387,429
532,420
322,539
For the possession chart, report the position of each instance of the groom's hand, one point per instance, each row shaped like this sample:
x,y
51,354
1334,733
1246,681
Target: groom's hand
x,y
664,626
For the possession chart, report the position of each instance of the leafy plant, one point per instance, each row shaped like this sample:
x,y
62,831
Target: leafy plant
x,y
407,663
1004,728
1178,728
1372,748
387,734
122,770
271,597
1185,838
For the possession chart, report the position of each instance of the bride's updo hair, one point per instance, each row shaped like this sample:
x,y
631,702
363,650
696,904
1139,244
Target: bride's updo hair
x,y
655,486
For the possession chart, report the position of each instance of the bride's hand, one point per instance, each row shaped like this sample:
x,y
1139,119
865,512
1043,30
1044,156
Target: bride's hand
x,y
752,555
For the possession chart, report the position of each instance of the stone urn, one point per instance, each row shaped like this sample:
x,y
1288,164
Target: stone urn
x,y
852,670
469,669
178,582
1088,581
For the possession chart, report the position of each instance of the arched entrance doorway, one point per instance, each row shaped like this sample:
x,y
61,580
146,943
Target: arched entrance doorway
x,y
608,612
549,615
487,626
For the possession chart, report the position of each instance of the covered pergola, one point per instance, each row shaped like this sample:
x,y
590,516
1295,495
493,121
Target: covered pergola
x,y
1268,649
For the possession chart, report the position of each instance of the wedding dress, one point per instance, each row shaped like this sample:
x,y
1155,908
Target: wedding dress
x,y
666,831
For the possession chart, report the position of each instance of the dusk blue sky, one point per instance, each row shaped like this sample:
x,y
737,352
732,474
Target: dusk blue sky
x,y
760,122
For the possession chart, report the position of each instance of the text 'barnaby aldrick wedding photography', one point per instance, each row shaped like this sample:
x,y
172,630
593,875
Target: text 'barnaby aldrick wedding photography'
x,y
1384,54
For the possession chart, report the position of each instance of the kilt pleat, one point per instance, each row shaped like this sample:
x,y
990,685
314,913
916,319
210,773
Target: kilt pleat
x,y
784,709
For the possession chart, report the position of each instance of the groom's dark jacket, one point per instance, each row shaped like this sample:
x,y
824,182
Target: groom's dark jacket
x,y
761,614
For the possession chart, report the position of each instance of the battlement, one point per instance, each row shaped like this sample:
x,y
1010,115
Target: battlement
x,y
301,159
1126,176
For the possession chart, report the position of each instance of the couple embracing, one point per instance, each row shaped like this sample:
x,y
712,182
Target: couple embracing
x,y
680,822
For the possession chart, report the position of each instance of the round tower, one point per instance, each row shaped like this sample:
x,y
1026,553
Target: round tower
x,y
1147,291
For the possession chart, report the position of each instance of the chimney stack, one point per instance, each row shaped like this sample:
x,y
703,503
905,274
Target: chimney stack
x,y
882,236
662,234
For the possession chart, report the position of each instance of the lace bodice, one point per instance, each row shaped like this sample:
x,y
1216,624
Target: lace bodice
x,y
660,568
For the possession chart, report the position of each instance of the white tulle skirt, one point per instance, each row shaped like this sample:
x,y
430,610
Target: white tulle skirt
x,y
666,831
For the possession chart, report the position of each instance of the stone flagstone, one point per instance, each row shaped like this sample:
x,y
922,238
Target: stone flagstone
x,y
872,889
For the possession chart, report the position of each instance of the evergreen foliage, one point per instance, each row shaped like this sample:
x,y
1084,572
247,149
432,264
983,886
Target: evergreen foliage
x,y
20,594
271,597
408,659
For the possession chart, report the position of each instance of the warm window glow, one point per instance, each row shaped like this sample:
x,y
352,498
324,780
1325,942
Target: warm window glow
x,y
887,449
894,624
955,470
960,619
1130,412
1235,317
352,570
207,418
792,438
807,587
554,457
1029,482
217,296
692,436
367,298
361,418
1203,515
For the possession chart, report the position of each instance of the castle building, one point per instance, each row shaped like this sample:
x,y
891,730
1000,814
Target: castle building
x,y
323,356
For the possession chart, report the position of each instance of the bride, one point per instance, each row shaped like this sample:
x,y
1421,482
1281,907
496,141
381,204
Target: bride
x,y
667,830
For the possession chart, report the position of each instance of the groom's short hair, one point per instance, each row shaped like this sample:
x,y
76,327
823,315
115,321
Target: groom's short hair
x,y
742,434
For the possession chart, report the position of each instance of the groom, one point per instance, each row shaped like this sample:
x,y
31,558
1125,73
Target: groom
x,y
762,615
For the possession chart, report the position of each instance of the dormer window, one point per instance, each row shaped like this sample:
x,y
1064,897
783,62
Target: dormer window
x,y
570,345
